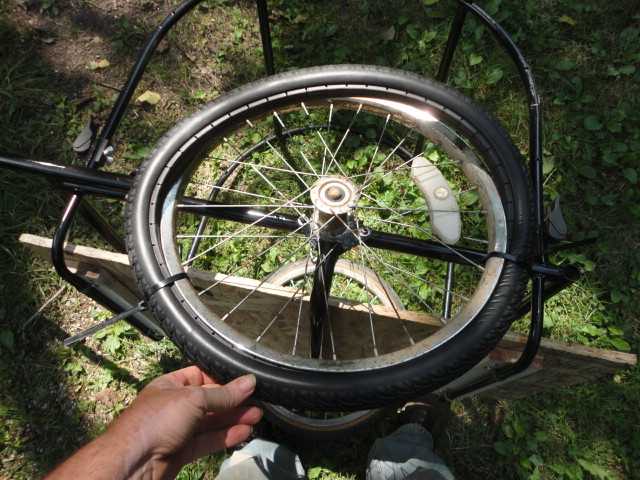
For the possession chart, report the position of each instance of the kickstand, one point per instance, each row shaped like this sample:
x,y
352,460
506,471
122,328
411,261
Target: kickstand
x,y
96,328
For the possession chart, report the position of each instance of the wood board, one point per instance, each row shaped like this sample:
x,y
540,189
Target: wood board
x,y
557,363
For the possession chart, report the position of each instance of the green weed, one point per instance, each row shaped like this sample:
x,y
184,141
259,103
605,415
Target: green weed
x,y
586,59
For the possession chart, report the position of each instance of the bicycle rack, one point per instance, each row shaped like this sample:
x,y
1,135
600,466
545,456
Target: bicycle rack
x,y
547,278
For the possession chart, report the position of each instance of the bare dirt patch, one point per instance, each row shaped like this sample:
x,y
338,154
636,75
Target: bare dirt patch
x,y
73,37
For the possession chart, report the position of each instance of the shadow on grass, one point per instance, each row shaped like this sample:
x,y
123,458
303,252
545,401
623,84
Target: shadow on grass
x,y
43,420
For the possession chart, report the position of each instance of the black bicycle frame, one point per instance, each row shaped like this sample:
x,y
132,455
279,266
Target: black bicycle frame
x,y
547,278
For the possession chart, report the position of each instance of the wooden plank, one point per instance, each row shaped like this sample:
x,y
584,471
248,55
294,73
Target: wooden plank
x,y
116,291
263,305
111,271
497,358
562,364
557,363
116,263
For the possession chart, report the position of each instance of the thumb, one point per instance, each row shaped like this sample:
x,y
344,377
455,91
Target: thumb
x,y
230,395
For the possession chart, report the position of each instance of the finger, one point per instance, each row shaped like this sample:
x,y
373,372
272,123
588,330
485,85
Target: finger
x,y
228,418
230,395
192,375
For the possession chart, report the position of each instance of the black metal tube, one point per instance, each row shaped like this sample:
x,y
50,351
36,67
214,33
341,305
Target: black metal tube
x,y
68,173
289,223
527,355
452,42
57,246
97,157
535,116
240,214
562,273
425,248
84,287
134,78
93,190
535,331
541,268
565,276
265,35
328,255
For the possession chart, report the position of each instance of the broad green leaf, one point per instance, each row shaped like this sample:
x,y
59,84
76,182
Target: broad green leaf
x,y
612,71
492,6
616,295
568,20
503,448
594,469
564,65
588,171
494,76
631,175
549,320
111,344
536,460
620,344
591,330
592,122
331,31
541,436
475,59
615,330
6,339
627,69
413,31
610,158
319,472
389,34
614,127
519,427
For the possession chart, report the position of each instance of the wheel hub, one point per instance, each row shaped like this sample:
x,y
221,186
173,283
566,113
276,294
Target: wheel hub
x,y
334,199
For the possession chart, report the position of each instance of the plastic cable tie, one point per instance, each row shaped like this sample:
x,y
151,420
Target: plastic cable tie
x,y
165,283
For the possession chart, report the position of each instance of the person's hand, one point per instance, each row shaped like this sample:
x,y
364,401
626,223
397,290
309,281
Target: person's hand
x,y
185,415
176,419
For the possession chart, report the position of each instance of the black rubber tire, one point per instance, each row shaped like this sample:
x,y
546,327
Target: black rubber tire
x,y
331,390
342,425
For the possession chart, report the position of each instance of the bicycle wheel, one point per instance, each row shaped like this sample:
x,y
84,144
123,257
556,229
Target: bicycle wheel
x,y
353,282
384,168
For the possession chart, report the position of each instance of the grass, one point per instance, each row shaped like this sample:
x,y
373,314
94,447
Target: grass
x,y
587,64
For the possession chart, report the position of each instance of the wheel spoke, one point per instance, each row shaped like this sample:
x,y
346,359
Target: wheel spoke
x,y
468,260
249,262
334,194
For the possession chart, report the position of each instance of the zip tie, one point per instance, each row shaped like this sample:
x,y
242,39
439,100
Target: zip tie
x,y
165,283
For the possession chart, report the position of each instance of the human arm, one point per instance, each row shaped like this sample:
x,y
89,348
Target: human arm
x,y
176,419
